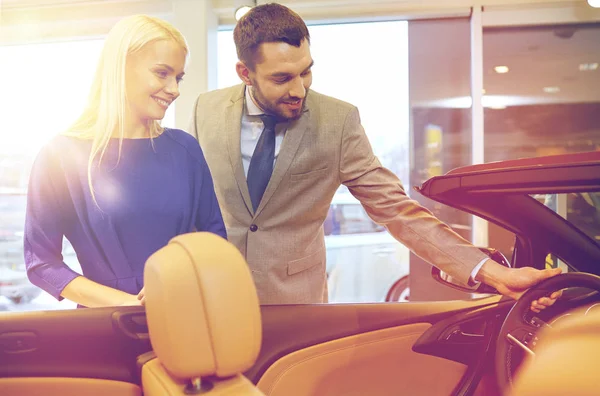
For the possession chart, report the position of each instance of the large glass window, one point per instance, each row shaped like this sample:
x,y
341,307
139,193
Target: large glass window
x,y
44,87
440,105
581,209
48,85
544,82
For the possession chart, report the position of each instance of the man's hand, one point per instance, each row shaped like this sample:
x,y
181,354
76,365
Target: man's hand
x,y
513,282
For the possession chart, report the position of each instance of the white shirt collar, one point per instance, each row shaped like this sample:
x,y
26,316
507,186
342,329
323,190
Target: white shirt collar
x,y
251,108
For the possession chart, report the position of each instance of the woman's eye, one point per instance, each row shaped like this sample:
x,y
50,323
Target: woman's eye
x,y
161,73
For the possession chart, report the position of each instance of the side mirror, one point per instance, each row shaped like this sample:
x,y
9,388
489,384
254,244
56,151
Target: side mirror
x,y
446,280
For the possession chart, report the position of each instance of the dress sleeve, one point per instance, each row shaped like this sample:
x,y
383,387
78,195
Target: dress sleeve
x,y
45,222
209,216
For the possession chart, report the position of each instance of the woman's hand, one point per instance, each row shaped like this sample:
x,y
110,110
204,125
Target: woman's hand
x,y
131,299
141,297
91,294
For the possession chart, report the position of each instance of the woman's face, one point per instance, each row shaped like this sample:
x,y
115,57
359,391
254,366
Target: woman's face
x,y
152,77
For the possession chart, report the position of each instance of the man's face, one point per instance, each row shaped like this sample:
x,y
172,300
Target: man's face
x,y
281,79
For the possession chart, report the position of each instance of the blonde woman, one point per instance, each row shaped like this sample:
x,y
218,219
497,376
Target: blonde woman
x,y
117,185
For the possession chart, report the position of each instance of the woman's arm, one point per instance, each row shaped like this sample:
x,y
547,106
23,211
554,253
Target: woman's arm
x,y
209,217
47,217
91,294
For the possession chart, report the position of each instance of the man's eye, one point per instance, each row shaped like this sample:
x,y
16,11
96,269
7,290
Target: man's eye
x,y
306,73
281,80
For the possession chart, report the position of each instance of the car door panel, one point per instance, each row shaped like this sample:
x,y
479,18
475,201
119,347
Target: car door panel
x,y
81,343
380,362
307,332
66,387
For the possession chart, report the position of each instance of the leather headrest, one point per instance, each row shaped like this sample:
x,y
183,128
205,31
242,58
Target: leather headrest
x,y
202,308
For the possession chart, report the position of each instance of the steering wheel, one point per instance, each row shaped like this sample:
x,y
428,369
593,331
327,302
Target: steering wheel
x,y
521,326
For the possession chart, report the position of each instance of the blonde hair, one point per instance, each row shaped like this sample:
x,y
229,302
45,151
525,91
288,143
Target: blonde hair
x,y
104,114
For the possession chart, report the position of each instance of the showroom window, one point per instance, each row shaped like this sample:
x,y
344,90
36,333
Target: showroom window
x,y
542,85
45,87
581,209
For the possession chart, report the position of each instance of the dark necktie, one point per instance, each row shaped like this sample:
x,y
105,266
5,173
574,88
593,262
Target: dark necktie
x,y
261,164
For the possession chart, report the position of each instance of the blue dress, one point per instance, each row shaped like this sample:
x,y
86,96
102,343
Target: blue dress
x,y
158,189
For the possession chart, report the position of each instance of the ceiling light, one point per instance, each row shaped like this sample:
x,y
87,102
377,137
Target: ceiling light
x,y
493,102
594,3
501,69
588,66
551,89
241,11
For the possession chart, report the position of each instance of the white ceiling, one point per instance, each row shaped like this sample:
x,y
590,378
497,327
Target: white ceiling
x,y
544,57
536,57
440,50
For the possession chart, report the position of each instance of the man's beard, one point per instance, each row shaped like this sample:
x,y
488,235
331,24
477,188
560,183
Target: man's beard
x,y
271,108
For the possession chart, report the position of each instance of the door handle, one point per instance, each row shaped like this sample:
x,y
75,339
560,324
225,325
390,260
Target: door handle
x,y
132,324
460,336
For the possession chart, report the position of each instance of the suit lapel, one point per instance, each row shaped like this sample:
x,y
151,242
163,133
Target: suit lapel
x,y
289,146
232,126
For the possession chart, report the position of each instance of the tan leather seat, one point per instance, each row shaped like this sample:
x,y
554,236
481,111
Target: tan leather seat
x,y
203,316
566,360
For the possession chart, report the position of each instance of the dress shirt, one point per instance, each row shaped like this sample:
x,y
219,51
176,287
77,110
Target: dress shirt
x,y
252,127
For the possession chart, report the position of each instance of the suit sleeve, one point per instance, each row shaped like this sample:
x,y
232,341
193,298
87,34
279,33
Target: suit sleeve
x,y
193,128
44,226
384,199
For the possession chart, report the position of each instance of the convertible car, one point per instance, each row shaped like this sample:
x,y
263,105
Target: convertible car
x,y
203,332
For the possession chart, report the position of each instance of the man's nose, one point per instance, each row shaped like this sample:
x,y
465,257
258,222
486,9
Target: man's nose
x,y
298,90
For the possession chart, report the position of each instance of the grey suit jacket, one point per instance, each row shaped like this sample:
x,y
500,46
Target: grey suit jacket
x,y
283,241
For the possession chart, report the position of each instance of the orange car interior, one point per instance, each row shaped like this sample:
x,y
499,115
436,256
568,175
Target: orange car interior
x,y
566,359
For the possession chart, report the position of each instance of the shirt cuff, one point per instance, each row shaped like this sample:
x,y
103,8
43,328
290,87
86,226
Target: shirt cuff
x,y
472,281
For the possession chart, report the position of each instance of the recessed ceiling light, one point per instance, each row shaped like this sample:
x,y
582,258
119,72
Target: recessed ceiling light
x,y
551,89
240,12
588,66
594,3
501,69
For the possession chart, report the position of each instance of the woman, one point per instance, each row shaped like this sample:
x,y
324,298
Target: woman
x,y
117,185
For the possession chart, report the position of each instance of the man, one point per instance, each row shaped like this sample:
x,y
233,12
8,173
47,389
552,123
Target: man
x,y
278,152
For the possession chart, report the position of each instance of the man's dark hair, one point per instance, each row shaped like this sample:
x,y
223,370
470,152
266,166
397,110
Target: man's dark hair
x,y
267,23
